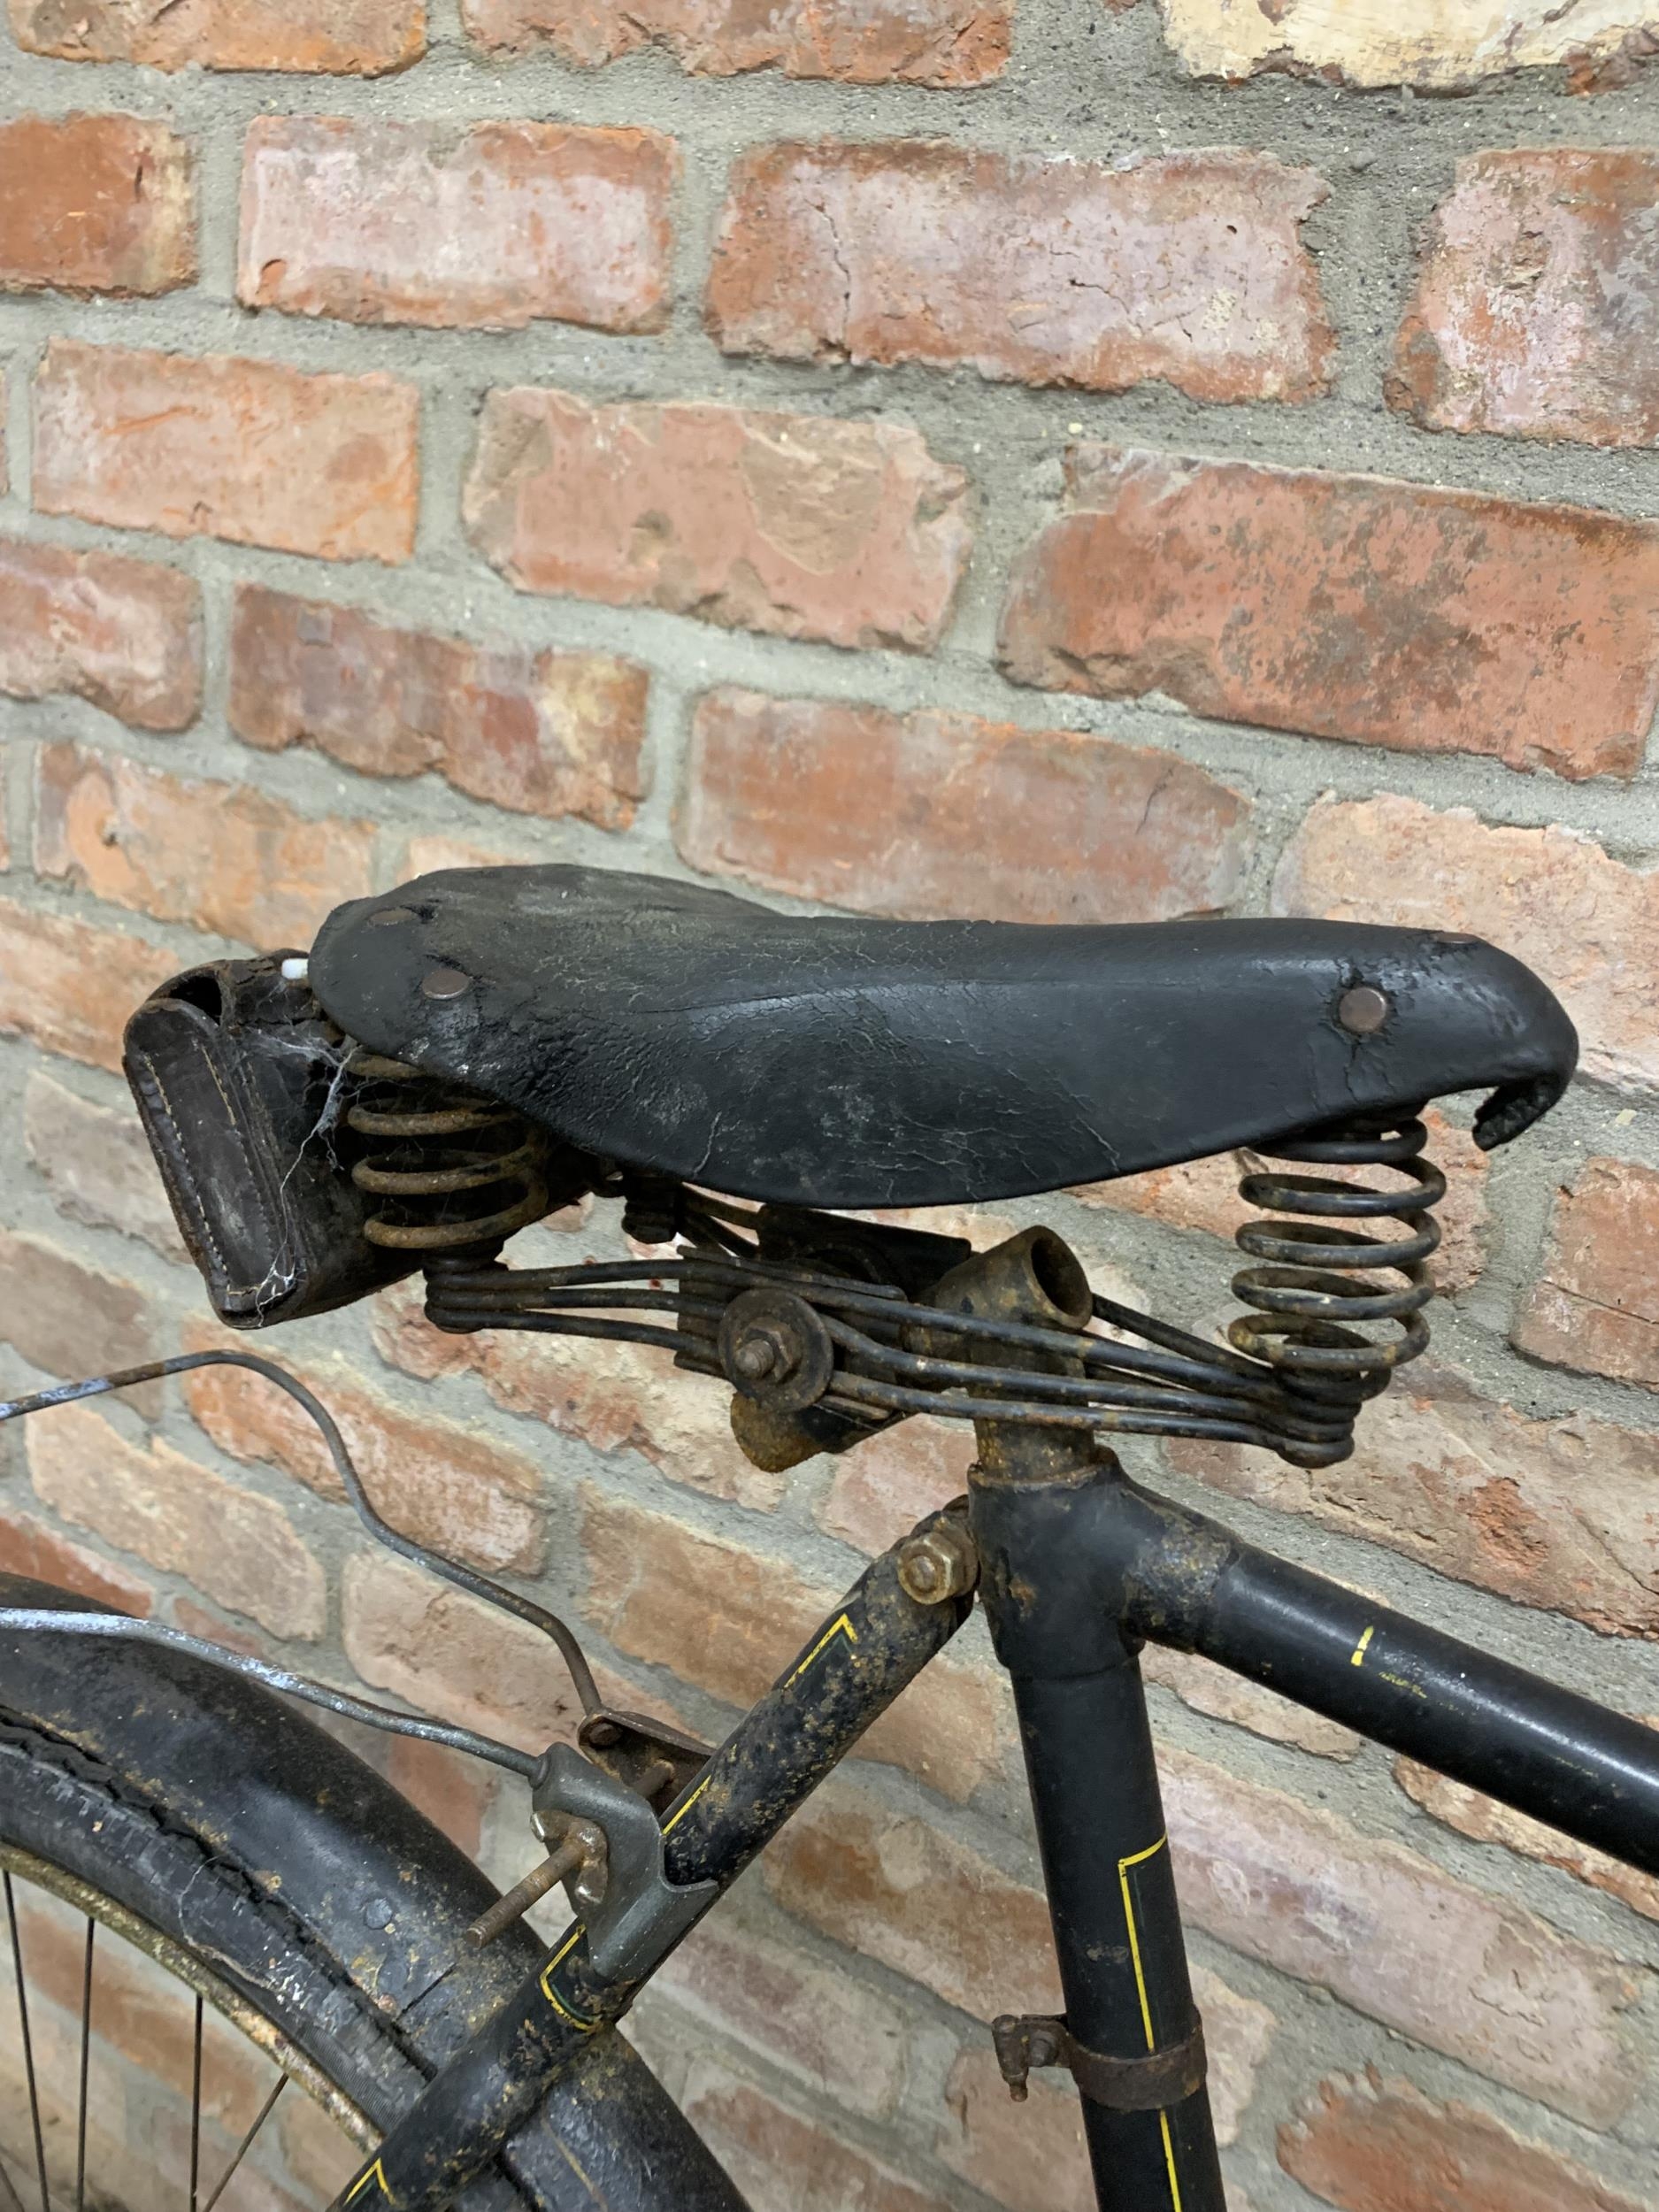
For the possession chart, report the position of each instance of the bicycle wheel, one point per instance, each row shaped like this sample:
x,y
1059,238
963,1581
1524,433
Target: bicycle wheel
x,y
231,1954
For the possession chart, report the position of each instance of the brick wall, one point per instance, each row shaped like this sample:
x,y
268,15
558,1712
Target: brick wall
x,y
928,457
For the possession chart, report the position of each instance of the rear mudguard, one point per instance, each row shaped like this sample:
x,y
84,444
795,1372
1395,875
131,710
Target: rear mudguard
x,y
378,1890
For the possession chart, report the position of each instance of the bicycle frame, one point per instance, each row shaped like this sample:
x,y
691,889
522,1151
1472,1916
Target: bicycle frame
x,y
1079,1567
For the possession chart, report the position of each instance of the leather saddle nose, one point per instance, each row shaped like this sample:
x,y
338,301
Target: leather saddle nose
x,y
840,1061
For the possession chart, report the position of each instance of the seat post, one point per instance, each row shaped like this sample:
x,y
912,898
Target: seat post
x,y
1130,2033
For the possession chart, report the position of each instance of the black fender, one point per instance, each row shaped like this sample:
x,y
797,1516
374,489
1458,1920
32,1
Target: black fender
x,y
330,1845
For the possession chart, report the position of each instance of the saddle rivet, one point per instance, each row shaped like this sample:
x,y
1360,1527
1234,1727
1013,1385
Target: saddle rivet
x,y
392,914
445,983
1363,1010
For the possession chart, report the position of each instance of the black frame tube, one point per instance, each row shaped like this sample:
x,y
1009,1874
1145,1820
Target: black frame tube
x,y
876,1642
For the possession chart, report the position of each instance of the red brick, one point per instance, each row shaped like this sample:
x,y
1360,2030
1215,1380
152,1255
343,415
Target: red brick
x,y
650,1577
1558,1513
1595,1304
1369,2145
344,37
784,2163
69,986
450,1488
1538,283
72,1319
28,1546
252,452
549,734
926,1905
221,854
1205,1195
804,524
453,1792
95,203
941,42
832,2034
1483,1820
615,1397
1349,607
1395,1936
125,634
1187,267
454,1656
942,816
488,227
240,1550
879,1491
1586,923
96,1164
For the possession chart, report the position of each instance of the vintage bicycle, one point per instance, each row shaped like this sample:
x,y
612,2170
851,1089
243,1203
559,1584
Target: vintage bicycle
x,y
457,1058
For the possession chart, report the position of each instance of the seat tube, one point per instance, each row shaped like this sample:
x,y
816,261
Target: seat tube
x,y
1132,2034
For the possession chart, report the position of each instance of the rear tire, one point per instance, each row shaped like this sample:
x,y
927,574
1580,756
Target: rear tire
x,y
270,1871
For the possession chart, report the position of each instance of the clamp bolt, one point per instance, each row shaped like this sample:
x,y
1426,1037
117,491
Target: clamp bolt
x,y
938,1562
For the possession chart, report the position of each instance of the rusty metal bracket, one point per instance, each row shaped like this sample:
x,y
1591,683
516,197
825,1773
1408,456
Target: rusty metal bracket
x,y
641,1912
1151,2083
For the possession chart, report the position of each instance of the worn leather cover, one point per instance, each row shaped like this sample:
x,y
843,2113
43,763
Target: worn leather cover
x,y
237,1077
830,1061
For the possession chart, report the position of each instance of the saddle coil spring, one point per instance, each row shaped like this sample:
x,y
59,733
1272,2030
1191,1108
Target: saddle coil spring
x,y
458,1169
1319,1278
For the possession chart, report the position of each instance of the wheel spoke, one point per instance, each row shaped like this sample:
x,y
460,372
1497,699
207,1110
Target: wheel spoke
x,y
246,2144
10,2200
28,2047
85,2068
195,2108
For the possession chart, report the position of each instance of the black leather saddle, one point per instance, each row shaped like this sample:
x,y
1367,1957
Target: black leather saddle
x,y
831,1061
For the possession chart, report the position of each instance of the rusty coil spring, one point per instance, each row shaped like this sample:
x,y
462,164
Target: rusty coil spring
x,y
1320,1279
458,1169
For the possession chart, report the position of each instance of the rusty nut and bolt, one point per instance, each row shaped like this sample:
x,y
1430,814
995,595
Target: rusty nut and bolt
x,y
938,1563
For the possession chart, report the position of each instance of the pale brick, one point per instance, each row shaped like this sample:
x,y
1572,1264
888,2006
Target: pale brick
x,y
1536,300
1425,44
1558,1513
451,1489
1395,1936
1211,1690
1351,607
941,42
454,1656
1484,1820
96,1164
239,1549
549,733
223,856
1366,2144
803,524
1381,1929
69,986
614,1397
345,37
933,816
489,227
28,1546
649,1584
1588,924
785,2164
69,1318
1205,1195
252,452
918,250
1595,1303
95,203
125,634
881,1489
830,2032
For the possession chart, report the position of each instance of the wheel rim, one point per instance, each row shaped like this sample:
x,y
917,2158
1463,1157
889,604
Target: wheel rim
x,y
132,2078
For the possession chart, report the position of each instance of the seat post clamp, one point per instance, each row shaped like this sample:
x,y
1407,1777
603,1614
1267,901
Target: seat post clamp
x,y
1151,2083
